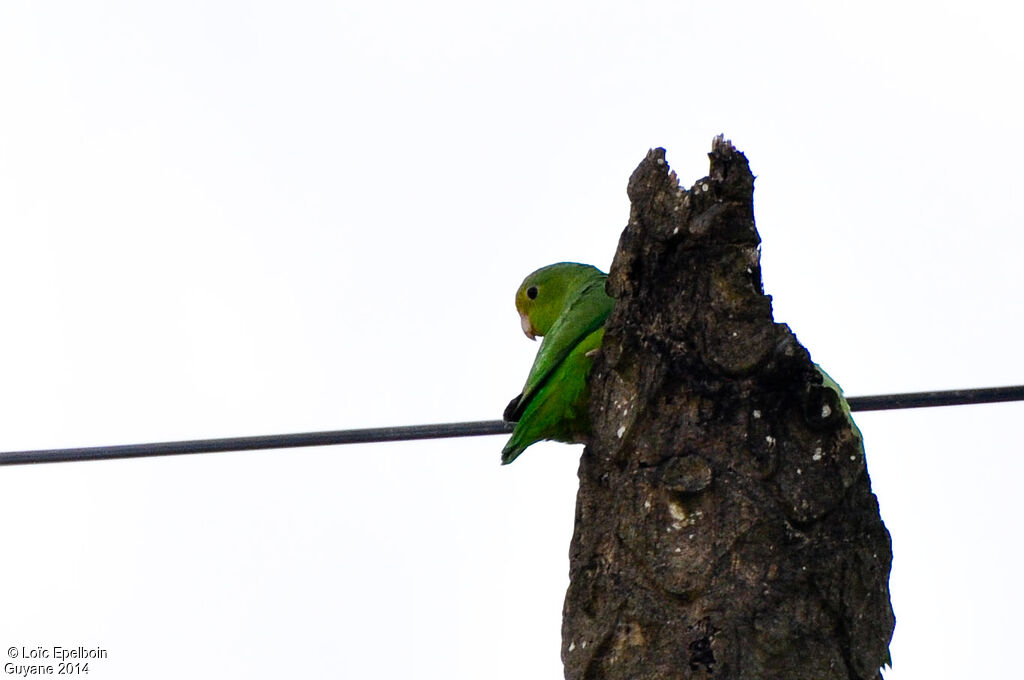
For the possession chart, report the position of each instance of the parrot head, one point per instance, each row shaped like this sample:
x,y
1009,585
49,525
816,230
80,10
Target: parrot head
x,y
544,294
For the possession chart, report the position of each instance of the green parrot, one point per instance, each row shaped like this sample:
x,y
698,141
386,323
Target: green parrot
x,y
566,303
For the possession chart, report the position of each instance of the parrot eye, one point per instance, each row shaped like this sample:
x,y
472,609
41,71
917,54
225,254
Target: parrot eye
x,y
531,292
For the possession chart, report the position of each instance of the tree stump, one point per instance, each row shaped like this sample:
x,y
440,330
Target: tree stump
x,y
725,524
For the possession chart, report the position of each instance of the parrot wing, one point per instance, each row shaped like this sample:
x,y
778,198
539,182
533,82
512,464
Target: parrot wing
x,y
558,409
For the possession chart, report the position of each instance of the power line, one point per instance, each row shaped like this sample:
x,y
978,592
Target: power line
x,y
269,441
978,395
984,395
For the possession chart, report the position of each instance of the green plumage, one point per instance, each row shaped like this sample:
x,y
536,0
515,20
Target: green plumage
x,y
567,304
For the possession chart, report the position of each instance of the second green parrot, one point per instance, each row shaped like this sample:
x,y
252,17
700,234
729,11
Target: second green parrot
x,y
566,303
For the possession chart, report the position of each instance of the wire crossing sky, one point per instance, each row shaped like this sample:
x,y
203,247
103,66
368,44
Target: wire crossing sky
x,y
983,395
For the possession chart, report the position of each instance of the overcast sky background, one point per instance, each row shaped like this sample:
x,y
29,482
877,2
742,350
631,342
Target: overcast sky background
x,y
227,218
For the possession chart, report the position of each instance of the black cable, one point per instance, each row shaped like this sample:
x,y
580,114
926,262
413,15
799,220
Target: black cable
x,y
267,441
984,395
978,395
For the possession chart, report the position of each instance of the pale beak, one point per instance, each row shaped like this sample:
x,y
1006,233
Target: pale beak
x,y
524,321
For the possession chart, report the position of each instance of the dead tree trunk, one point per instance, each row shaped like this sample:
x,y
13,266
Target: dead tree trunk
x,y
725,524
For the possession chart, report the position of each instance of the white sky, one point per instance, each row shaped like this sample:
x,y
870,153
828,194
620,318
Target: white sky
x,y
224,219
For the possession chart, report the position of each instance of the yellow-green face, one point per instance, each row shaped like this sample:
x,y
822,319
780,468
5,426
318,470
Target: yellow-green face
x,y
526,298
543,294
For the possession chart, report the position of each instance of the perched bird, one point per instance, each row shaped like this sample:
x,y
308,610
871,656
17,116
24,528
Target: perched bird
x,y
566,303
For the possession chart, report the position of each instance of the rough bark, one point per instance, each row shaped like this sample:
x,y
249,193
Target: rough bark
x,y
725,524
